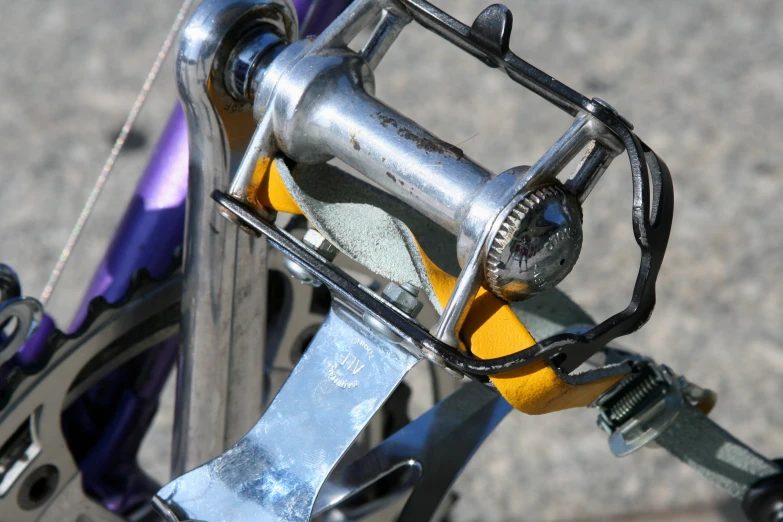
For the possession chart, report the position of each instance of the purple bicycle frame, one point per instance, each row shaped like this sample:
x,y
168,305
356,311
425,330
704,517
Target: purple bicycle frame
x,y
105,427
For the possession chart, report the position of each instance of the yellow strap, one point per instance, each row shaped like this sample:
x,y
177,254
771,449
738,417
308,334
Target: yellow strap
x,y
491,328
270,191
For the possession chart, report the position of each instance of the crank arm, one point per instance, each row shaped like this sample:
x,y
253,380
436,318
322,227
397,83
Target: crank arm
x,y
276,471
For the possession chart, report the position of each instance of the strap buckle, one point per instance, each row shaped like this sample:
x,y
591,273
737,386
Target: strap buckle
x,y
644,404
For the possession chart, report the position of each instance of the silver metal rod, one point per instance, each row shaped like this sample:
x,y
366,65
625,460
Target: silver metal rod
x,y
434,177
261,148
348,25
448,326
558,156
595,162
584,129
388,29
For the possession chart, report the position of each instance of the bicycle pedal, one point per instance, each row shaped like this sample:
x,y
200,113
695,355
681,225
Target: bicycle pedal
x,y
518,233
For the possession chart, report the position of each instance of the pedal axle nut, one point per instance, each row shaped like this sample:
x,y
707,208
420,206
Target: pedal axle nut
x,y
404,297
322,246
536,245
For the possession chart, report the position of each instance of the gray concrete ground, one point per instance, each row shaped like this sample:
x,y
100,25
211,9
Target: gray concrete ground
x,y
702,82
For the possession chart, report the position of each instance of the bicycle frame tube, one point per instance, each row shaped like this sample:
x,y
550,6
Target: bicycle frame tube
x,y
153,225
148,237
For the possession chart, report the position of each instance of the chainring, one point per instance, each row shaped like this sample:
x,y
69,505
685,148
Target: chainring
x,y
111,335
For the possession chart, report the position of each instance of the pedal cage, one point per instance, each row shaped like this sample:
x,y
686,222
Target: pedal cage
x,y
597,126
488,40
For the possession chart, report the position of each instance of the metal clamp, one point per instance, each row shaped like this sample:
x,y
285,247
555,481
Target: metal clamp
x,y
644,404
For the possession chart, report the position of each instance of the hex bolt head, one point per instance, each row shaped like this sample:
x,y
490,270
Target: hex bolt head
x,y
314,239
324,248
404,298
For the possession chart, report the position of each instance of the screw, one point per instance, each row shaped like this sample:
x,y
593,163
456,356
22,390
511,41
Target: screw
x,y
301,273
263,213
404,297
324,248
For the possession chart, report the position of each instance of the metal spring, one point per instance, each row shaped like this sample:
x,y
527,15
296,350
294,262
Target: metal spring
x,y
631,398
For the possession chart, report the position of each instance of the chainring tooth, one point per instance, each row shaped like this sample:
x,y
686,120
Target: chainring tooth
x,y
138,284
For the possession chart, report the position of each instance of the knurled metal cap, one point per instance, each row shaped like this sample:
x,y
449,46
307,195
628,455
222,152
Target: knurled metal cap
x,y
536,245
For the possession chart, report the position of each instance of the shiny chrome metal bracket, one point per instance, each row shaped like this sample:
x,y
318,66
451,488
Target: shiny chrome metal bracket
x,y
275,472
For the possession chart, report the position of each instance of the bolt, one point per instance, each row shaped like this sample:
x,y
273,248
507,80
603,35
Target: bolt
x,y
263,213
437,360
404,297
319,243
324,248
